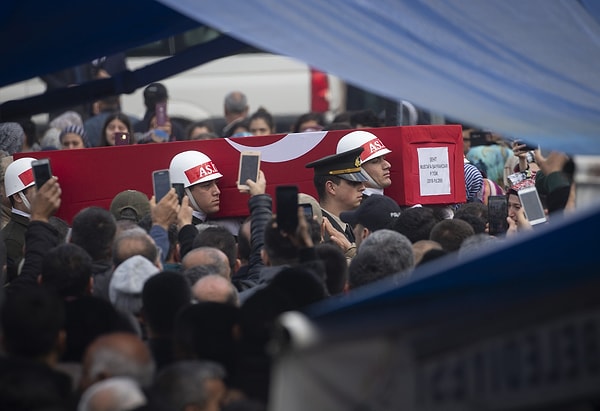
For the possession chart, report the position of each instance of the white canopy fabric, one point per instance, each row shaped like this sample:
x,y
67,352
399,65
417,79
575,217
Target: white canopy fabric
x,y
526,69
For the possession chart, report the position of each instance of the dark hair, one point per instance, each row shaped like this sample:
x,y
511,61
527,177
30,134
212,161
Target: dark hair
x,y
243,241
205,331
279,248
451,233
204,123
67,270
318,117
477,223
218,237
94,229
31,322
364,118
163,295
124,118
415,223
262,113
336,267
431,255
319,181
301,285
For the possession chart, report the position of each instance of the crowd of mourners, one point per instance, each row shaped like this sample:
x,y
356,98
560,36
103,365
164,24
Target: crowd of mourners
x,y
157,305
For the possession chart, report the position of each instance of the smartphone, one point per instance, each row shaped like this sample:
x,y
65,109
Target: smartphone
x,y
179,189
480,138
122,139
161,113
307,209
530,201
497,214
249,167
161,183
41,171
286,198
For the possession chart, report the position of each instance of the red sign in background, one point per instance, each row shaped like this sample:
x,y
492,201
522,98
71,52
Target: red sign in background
x,y
94,176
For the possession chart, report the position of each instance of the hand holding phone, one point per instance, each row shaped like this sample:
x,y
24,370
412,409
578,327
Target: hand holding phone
x,y
249,168
161,183
41,171
531,204
287,208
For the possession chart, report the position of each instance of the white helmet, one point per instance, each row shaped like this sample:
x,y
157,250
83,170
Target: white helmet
x,y
373,147
18,176
192,167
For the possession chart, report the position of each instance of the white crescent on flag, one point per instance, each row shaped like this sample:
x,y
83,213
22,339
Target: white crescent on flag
x,y
289,147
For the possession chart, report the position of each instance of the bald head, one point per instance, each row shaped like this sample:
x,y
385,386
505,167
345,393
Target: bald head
x,y
207,256
117,354
215,288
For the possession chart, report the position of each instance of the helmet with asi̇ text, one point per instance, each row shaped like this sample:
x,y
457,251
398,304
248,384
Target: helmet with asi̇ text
x,y
192,167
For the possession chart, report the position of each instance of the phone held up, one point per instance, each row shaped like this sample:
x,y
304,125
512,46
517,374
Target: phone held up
x,y
497,214
41,171
161,113
286,200
161,184
180,190
122,139
530,201
249,167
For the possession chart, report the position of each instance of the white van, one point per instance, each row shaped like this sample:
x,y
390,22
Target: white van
x,y
284,86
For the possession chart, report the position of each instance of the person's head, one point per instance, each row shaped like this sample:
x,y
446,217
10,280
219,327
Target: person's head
x,y
451,233
117,355
211,259
135,241
163,295
19,184
364,119
217,289
219,237
201,130
167,127
67,269
33,323
278,249
94,229
421,247
336,267
200,178
309,122
373,161
338,180
12,137
191,385
73,137
207,330
115,123
476,243
261,123
130,205
243,241
514,203
116,393
415,223
235,106
382,254
127,282
374,213
154,93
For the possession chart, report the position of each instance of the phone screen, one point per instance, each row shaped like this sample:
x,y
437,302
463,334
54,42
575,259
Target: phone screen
x,y
180,190
249,166
497,213
287,208
161,113
41,171
308,211
161,183
530,201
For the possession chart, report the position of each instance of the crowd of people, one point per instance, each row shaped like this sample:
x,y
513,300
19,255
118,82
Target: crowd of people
x,y
157,305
